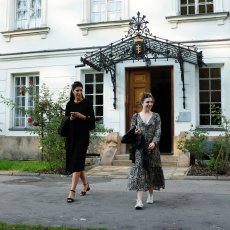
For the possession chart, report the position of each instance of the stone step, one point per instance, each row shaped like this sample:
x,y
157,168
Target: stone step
x,y
122,163
123,160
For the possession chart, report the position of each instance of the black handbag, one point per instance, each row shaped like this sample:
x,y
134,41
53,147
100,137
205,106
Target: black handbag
x,y
63,129
129,137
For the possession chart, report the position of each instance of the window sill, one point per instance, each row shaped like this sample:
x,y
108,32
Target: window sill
x,y
210,129
85,27
219,17
42,31
20,129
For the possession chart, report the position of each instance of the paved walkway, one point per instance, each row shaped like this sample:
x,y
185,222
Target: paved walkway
x,y
122,172
115,172
182,205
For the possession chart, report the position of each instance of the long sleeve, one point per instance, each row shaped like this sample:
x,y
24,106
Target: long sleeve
x,y
90,118
157,133
67,109
133,120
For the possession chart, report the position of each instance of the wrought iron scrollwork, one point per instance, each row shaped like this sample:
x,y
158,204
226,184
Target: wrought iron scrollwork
x,y
139,44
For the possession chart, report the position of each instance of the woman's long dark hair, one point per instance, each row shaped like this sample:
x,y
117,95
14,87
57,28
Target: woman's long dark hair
x,y
75,85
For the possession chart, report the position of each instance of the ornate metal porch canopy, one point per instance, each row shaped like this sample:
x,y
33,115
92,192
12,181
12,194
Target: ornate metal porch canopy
x,y
139,44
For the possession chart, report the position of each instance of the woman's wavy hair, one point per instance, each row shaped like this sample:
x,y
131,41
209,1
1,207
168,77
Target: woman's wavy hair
x,y
146,95
73,86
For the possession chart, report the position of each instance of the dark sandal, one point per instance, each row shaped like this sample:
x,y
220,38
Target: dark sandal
x,y
83,193
69,199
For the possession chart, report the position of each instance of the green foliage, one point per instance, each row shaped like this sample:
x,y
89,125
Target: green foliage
x,y
193,142
220,156
25,166
45,117
5,226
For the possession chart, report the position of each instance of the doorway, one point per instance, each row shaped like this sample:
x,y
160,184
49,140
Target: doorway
x,y
158,81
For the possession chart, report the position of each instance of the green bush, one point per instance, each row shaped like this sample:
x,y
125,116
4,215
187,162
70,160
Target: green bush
x,y
193,142
219,160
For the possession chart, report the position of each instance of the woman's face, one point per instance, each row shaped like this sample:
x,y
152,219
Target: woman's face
x,y
77,92
148,103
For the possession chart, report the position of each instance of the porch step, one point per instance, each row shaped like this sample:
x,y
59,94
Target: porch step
x,y
169,160
123,160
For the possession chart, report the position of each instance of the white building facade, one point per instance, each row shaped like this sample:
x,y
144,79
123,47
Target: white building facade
x,y
42,41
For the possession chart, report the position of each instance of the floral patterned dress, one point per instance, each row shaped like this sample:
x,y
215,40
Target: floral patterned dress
x,y
139,178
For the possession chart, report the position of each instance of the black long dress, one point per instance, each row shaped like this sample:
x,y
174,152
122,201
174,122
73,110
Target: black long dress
x,y
78,140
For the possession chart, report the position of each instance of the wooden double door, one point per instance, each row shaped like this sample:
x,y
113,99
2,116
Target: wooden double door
x,y
158,81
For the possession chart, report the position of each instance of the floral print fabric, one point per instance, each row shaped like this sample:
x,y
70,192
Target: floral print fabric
x,y
140,179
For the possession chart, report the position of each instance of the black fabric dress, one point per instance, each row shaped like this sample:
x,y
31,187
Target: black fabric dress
x,y
78,140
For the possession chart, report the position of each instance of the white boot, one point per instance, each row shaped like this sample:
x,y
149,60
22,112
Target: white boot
x,y
139,204
150,198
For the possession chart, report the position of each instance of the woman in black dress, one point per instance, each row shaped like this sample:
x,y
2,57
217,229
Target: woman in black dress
x,y
82,117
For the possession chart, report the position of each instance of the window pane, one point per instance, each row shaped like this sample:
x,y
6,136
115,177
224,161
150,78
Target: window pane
x,y
88,78
99,110
204,73
215,73
99,88
202,9
99,77
191,1
183,1
216,96
184,10
99,99
215,120
204,120
201,1
191,10
205,109
204,96
215,84
89,89
210,8
90,98
204,85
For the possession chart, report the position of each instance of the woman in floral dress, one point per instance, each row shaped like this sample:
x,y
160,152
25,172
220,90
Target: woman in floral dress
x,y
142,179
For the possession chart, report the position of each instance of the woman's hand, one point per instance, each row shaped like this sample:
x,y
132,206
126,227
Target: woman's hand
x,y
151,145
137,131
77,115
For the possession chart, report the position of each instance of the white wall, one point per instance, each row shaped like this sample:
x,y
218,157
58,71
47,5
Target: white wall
x,y
66,43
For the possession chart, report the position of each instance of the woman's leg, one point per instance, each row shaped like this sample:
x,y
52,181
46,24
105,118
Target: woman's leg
x,y
139,204
75,179
85,183
150,196
83,178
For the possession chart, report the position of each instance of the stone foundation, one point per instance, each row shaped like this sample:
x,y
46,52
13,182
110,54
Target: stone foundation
x,y
19,148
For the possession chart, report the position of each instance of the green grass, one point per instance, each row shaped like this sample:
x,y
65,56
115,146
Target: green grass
x,y
4,226
24,166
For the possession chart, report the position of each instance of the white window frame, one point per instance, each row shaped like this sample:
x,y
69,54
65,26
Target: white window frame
x,y
94,93
210,90
196,5
19,94
32,16
218,15
88,25
11,28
